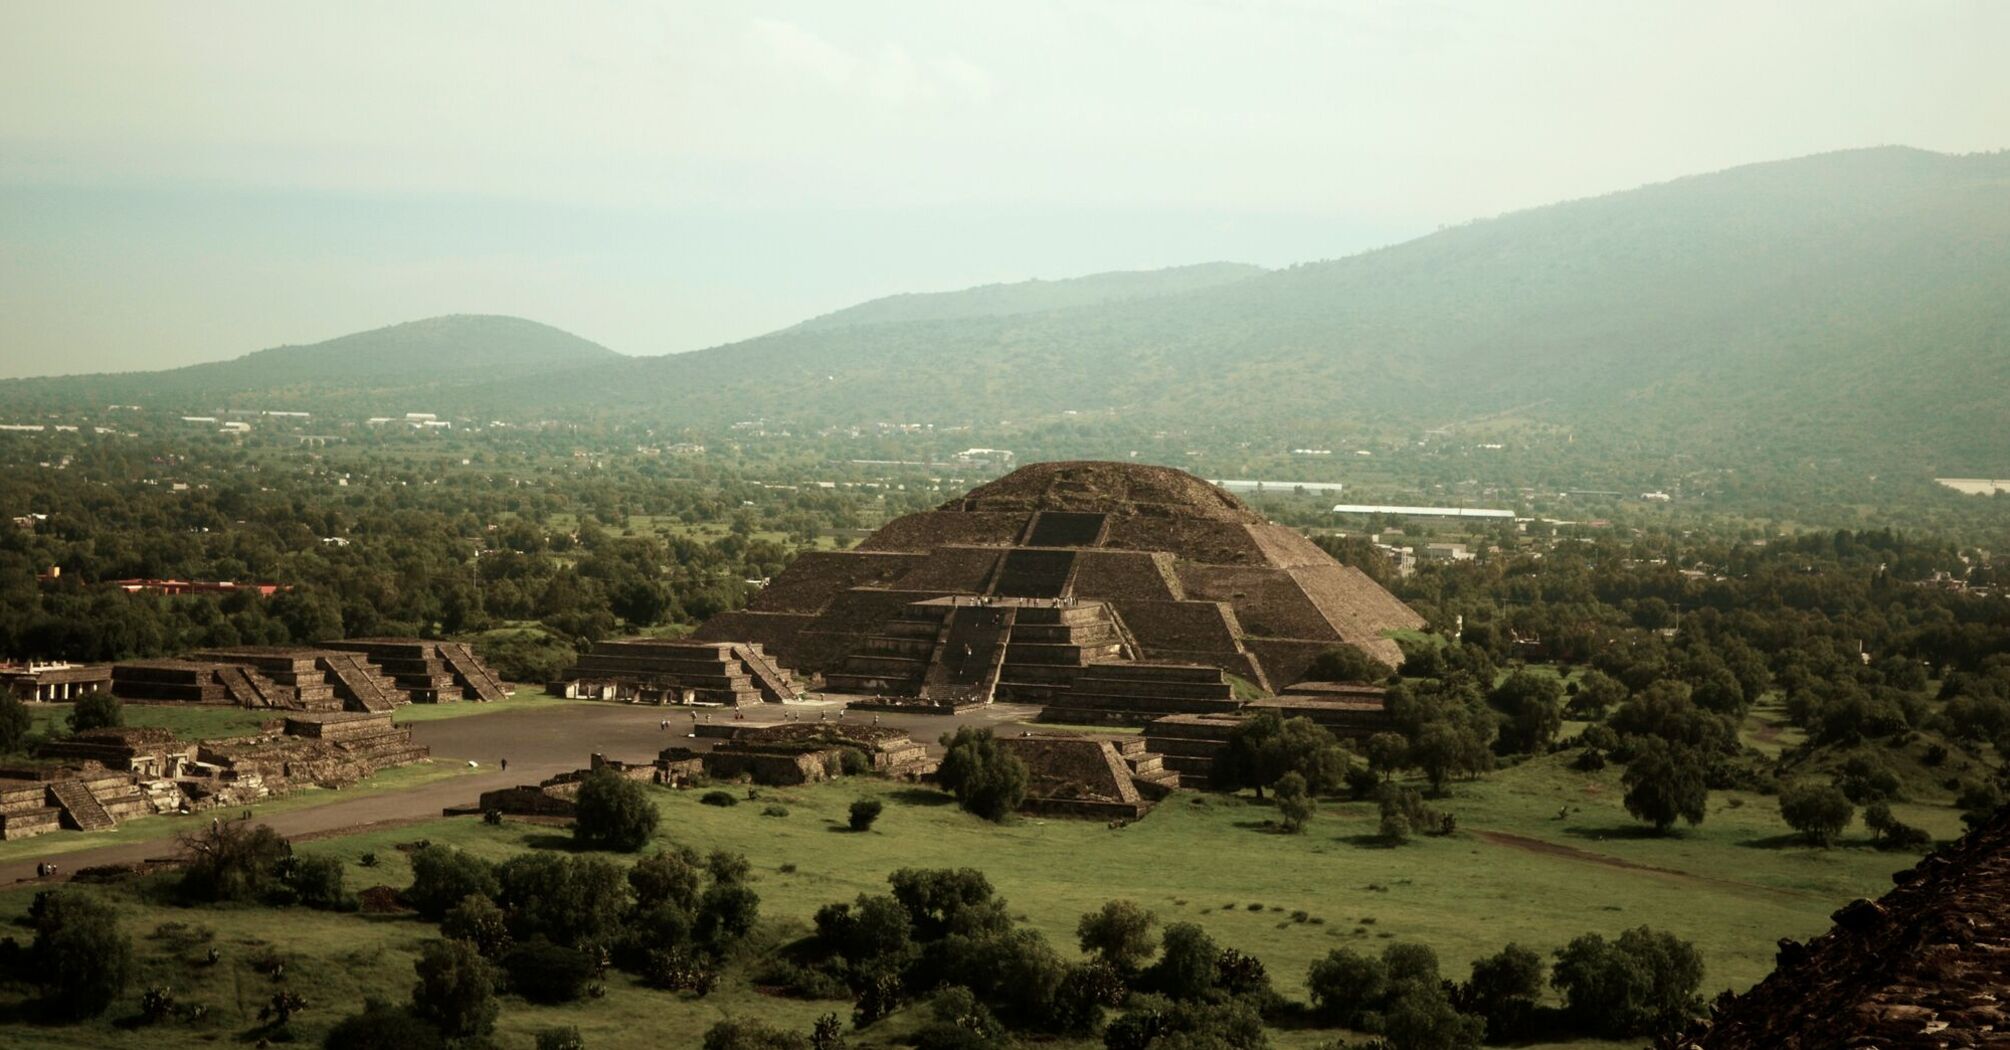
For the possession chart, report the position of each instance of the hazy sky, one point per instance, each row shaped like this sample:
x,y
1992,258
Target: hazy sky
x,y
189,181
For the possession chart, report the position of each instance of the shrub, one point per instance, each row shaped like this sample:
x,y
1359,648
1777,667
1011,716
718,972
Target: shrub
x,y
986,779
1119,933
316,879
566,1038
1867,778
1891,833
1818,811
1347,663
543,972
96,711
79,957
1504,989
383,1027
671,878
774,810
726,913
569,900
750,1034
443,877
614,813
1186,966
853,763
478,921
864,812
1294,803
15,722
719,798
232,860
456,989
1643,982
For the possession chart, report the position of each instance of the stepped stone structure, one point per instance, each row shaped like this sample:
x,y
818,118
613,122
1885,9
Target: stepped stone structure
x,y
54,682
651,670
1088,776
294,678
429,672
98,778
1925,966
1014,589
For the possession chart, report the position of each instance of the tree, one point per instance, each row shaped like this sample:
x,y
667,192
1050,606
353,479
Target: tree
x,y
667,878
1119,933
563,1038
1294,803
1441,749
100,710
1422,1018
1346,663
456,989
614,813
1818,811
79,957
232,860
478,921
1533,704
1260,750
1889,832
15,722
864,812
1387,752
1186,965
543,972
726,913
985,778
1345,985
1504,989
569,900
1642,983
1597,693
1666,782
443,876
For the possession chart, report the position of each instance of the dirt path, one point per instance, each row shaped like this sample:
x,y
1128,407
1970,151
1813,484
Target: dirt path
x,y
1581,856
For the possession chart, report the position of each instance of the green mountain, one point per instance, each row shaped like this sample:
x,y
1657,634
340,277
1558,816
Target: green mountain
x,y
1036,296
1852,304
415,357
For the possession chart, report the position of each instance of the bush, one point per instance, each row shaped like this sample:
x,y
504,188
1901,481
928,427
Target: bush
x,y
569,900
666,878
1866,778
566,1038
1818,811
1504,990
774,810
316,879
986,779
456,989
853,763
1186,966
719,798
79,957
726,913
96,711
1294,803
1642,983
543,972
1888,832
15,722
383,1027
478,921
233,860
443,877
1119,933
1347,663
750,1034
614,813
864,812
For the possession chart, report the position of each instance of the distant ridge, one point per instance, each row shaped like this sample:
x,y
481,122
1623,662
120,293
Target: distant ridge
x,y
1035,296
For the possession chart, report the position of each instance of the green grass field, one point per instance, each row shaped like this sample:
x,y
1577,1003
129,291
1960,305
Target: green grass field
x,y
1513,872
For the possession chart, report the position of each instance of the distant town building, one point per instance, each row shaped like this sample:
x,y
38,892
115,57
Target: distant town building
x,y
1397,510
180,587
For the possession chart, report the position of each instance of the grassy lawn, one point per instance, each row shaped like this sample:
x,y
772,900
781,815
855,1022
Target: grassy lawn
x,y
189,721
1513,872
161,828
526,698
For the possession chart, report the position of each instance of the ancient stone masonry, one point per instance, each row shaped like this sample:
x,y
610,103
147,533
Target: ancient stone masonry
x,y
801,752
1926,965
1130,563
1086,776
429,672
95,779
258,676
649,670
54,682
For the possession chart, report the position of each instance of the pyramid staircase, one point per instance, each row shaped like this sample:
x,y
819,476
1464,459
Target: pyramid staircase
x,y
650,670
1133,694
774,683
248,688
82,808
360,684
1148,768
473,675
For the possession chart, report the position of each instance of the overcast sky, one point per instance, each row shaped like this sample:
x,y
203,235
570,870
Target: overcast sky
x,y
184,182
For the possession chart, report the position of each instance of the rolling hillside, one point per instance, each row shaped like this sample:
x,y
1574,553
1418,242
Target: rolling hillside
x,y
1850,304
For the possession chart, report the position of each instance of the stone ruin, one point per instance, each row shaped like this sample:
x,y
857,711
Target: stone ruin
x,y
659,671
1071,775
1188,743
1019,587
54,682
366,675
94,779
1925,966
